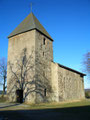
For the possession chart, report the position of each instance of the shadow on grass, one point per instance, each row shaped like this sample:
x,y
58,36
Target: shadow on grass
x,y
12,105
73,113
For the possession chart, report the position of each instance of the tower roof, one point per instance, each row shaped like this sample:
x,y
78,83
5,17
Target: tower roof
x,y
29,23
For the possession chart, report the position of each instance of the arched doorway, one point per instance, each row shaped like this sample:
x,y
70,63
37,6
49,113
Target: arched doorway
x,y
19,96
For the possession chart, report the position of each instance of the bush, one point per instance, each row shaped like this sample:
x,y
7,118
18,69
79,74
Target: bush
x,y
3,98
87,94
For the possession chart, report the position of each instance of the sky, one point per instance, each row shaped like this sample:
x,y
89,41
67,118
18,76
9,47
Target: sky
x,y
67,21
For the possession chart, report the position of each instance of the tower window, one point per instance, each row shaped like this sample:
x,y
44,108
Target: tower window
x,y
43,74
44,40
43,53
45,92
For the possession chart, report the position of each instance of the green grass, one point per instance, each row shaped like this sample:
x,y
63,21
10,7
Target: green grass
x,y
46,105
60,105
2,99
79,110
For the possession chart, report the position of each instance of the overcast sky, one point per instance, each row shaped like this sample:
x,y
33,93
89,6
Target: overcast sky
x,y
67,21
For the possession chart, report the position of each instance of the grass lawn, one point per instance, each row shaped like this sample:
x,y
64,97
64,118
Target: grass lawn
x,y
60,105
79,110
2,99
15,106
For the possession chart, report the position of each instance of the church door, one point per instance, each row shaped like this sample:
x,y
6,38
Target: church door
x,y
19,96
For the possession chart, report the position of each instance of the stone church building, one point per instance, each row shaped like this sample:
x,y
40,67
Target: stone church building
x,y
32,75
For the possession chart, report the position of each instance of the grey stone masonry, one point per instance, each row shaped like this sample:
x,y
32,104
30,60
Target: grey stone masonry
x,y
32,70
66,84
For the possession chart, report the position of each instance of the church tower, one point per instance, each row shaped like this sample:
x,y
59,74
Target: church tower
x,y
30,52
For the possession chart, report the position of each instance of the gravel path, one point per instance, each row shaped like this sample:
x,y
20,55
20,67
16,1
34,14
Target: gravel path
x,y
12,106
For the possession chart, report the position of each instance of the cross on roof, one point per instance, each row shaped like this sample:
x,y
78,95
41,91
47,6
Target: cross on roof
x,y
31,6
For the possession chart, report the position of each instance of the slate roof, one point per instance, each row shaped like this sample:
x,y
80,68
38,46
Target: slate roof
x,y
71,69
29,23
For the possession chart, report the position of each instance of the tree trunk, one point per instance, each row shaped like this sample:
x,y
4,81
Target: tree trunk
x,y
4,86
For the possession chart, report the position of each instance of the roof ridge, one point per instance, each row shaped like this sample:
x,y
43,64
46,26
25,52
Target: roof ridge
x,y
41,26
30,23
71,69
33,19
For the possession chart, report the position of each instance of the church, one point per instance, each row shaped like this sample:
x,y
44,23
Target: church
x,y
32,75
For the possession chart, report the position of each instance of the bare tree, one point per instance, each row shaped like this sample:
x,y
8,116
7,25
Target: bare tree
x,y
22,74
3,73
87,63
20,69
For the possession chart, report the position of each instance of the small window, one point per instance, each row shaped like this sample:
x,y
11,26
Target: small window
x,y
45,92
43,53
43,74
44,40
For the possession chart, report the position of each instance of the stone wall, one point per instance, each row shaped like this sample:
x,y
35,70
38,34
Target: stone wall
x,y
45,81
16,45
40,74
54,81
44,56
68,85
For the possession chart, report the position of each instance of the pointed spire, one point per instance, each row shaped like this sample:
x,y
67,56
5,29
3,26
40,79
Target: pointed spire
x,y
29,23
31,6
